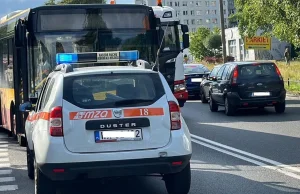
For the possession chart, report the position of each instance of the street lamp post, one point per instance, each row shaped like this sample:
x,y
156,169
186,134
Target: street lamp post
x,y
223,31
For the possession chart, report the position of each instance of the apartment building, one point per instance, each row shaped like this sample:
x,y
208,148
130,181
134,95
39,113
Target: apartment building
x,y
198,13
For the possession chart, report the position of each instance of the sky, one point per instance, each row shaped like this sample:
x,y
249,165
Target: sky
x,y
7,6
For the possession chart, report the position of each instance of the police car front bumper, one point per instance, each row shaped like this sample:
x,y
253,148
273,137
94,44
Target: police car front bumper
x,y
110,169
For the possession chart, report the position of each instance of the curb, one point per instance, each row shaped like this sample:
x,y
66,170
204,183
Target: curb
x,y
297,96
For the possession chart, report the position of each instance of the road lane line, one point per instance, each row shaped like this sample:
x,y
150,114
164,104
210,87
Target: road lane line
x,y
3,149
7,179
3,154
4,159
4,165
4,146
8,187
275,163
258,163
5,172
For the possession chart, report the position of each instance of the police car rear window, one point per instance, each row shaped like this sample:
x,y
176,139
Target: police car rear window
x,y
113,90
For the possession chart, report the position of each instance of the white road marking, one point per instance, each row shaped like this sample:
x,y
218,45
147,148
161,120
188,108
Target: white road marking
x,y
248,154
3,154
4,172
4,159
8,187
4,165
4,146
7,179
281,168
3,149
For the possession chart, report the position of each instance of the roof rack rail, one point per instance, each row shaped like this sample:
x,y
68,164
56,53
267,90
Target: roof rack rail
x,y
65,68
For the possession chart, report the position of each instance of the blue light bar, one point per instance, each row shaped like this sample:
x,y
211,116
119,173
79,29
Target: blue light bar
x,y
97,57
129,55
66,58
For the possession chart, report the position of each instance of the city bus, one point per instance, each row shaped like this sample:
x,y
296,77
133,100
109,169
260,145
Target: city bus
x,y
172,55
30,39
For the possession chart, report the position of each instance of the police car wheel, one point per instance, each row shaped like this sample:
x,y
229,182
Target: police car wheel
x,y
42,185
179,183
30,164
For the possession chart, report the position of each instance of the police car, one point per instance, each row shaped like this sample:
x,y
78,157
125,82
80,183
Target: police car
x,y
106,121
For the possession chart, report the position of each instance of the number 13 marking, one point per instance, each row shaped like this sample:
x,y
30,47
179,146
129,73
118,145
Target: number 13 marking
x,y
144,112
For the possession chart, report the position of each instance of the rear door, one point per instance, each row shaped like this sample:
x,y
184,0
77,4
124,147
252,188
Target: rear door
x,y
259,80
99,108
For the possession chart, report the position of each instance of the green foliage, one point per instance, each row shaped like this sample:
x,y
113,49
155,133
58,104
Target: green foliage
x,y
197,48
278,18
206,43
213,42
53,2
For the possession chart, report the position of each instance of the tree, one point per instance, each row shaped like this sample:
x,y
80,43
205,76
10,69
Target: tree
x,y
197,48
278,18
213,42
53,2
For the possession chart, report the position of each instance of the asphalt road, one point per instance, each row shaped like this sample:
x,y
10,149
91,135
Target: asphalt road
x,y
254,152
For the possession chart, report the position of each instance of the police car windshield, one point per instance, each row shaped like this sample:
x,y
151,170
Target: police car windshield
x,y
113,90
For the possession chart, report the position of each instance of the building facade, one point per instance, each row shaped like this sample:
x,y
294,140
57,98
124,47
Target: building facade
x,y
235,48
198,13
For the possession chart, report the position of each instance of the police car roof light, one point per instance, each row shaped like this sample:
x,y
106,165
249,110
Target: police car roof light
x,y
97,57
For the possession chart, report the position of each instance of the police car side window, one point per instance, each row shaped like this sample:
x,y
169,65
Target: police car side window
x,y
38,107
47,93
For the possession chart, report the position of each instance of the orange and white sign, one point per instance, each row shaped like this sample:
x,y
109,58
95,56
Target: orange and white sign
x,y
143,112
258,43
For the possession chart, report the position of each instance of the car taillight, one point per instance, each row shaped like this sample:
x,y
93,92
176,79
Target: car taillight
x,y
179,86
175,115
235,75
56,126
278,72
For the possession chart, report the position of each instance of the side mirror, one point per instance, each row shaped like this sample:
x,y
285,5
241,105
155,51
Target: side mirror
x,y
25,107
184,28
186,41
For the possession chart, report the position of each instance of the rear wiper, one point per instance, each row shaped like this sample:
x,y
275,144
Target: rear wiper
x,y
132,101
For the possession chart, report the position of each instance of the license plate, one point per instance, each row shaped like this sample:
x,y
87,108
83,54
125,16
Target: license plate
x,y
196,79
261,94
118,135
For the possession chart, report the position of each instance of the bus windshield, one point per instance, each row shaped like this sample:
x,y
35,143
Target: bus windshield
x,y
171,38
89,30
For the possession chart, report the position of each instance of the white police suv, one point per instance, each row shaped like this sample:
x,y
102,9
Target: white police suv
x,y
100,121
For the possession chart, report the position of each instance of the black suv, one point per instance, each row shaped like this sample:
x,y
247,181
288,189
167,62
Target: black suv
x,y
247,84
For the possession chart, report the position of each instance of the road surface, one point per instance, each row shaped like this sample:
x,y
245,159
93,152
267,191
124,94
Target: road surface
x,y
253,152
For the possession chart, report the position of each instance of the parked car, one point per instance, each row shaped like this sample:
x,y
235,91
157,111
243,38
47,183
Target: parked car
x,y
205,84
247,84
194,74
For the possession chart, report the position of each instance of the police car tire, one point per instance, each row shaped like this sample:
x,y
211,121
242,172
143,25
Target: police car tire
x,y
42,184
179,183
30,164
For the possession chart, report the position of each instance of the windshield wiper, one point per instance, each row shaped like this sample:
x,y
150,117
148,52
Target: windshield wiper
x,y
132,101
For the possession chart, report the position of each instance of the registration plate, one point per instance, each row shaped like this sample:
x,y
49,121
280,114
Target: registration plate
x,y
261,94
118,135
197,79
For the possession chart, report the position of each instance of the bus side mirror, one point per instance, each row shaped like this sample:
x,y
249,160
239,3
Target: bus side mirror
x,y
20,34
184,28
186,41
25,107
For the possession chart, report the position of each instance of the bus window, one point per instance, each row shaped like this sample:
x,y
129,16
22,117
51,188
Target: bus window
x,y
1,63
4,63
171,41
9,70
